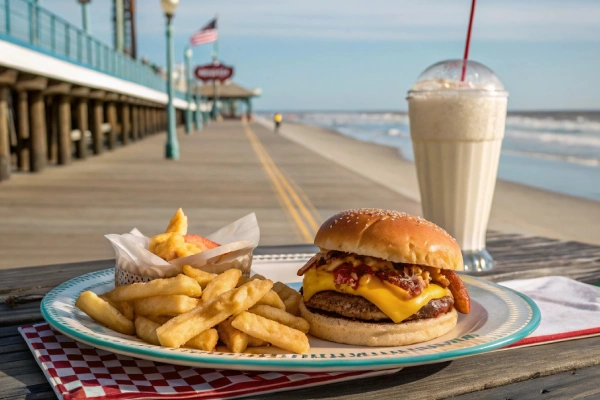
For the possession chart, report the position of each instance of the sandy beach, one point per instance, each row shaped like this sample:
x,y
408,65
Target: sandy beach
x,y
516,208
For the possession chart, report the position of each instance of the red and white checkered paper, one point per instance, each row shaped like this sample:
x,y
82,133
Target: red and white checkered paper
x,y
78,371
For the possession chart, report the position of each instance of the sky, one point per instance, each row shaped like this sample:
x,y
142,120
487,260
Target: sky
x,y
365,55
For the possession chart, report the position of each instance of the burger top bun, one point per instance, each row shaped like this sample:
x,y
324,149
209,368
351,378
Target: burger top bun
x,y
392,236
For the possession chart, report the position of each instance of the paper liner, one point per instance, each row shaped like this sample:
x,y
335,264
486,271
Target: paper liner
x,y
135,263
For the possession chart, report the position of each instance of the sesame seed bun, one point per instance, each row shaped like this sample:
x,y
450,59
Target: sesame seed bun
x,y
361,333
392,236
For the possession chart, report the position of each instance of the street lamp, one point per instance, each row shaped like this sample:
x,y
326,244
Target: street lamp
x,y
188,86
85,17
172,148
85,24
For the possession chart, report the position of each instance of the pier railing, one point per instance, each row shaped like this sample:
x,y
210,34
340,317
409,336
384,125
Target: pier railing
x,y
26,23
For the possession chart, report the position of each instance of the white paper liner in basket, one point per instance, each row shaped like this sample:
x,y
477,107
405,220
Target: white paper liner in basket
x,y
135,263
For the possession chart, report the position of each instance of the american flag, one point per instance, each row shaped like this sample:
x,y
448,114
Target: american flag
x,y
205,35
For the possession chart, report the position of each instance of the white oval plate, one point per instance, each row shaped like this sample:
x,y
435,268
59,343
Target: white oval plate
x,y
499,316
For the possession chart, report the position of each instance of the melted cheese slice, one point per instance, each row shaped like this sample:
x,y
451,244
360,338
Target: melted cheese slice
x,y
390,299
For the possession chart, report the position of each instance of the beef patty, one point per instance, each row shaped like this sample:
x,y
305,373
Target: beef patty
x,y
358,307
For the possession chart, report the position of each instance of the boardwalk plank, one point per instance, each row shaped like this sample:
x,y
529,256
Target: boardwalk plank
x,y
61,215
49,220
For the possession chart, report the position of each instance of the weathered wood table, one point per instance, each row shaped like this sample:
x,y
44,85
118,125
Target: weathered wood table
x,y
564,370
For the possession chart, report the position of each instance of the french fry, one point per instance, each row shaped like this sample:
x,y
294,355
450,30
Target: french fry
x,y
222,349
283,290
221,284
236,341
255,342
202,277
127,310
101,311
187,249
292,303
243,280
182,328
290,297
171,305
178,224
180,284
170,248
156,240
206,340
159,319
281,316
272,299
115,304
145,329
265,350
273,332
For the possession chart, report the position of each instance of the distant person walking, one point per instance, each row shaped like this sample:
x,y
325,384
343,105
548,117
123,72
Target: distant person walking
x,y
277,118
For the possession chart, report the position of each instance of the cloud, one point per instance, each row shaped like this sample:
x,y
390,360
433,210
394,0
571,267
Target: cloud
x,y
372,20
395,20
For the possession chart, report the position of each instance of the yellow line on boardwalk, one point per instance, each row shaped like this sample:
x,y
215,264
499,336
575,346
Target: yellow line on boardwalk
x,y
307,215
305,198
306,234
272,171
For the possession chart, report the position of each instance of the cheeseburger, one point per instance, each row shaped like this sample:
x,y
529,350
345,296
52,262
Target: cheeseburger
x,y
382,278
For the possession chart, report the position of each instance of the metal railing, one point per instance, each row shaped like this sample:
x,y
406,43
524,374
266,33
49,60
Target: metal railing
x,y
26,22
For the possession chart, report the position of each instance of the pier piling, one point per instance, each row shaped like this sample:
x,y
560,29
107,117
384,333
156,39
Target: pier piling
x,y
64,130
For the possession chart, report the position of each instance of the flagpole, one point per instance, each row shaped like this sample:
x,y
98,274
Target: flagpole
x,y
215,57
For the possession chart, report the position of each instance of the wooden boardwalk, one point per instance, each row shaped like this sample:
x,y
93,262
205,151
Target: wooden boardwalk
x,y
226,171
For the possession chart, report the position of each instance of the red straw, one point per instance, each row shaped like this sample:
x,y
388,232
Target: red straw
x,y
468,44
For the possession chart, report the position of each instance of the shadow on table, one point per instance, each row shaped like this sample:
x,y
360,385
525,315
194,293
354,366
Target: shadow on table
x,y
362,386
21,376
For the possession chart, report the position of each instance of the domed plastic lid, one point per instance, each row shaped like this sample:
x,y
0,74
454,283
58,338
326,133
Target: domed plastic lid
x,y
446,75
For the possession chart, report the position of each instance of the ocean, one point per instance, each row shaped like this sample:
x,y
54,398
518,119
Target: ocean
x,y
554,151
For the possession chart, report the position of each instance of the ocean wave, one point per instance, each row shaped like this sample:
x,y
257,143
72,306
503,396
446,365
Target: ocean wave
x,y
353,118
588,162
555,138
397,132
580,124
575,140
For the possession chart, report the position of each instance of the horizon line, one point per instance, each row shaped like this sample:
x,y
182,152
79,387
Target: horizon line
x,y
406,111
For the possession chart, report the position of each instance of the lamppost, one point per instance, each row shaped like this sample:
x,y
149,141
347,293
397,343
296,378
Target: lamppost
x,y
198,114
172,148
215,58
85,17
85,24
188,86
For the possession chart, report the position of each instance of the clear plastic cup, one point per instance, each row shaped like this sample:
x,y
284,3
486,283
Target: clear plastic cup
x,y
456,129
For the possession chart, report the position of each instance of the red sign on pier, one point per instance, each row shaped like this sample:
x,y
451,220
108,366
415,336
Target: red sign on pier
x,y
215,71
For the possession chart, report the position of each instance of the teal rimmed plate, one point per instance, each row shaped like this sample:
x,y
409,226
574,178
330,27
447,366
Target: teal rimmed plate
x,y
499,316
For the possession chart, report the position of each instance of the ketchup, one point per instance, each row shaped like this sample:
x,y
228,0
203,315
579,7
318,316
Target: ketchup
x,y
347,274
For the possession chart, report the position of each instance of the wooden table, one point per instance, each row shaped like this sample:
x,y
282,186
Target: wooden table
x,y
559,370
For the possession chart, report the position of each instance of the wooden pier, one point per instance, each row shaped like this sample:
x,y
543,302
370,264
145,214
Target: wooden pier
x,y
226,171
45,122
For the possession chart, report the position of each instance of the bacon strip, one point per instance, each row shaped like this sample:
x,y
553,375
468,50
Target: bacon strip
x,y
462,301
310,264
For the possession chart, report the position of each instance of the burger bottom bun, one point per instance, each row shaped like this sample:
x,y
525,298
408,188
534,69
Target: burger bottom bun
x,y
341,330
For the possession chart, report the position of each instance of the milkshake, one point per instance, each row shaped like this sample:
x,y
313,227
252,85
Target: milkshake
x,y
456,129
